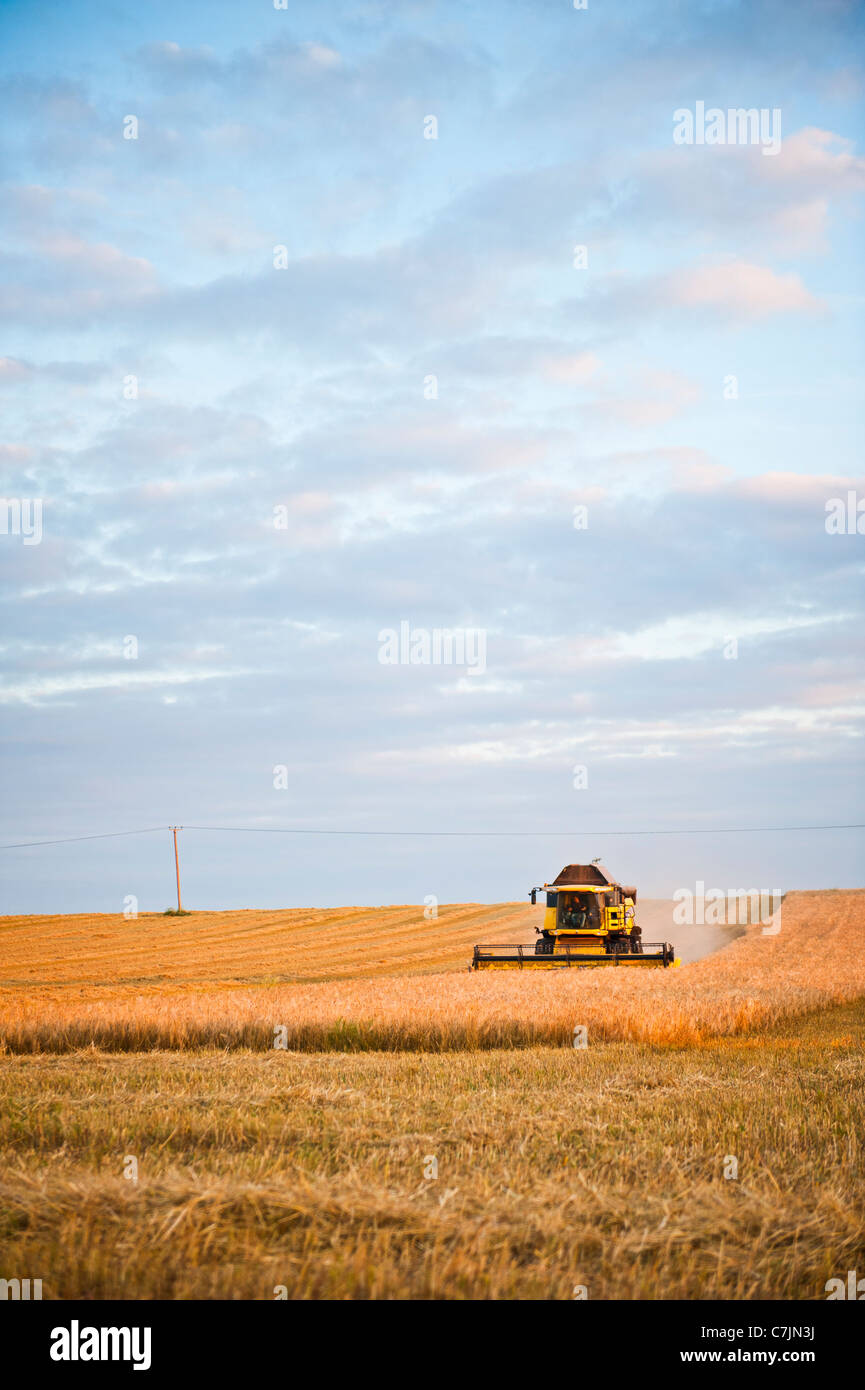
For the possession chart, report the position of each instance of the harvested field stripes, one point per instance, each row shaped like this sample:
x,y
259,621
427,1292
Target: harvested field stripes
x,y
249,945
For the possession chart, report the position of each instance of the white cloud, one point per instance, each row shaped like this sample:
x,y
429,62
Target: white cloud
x,y
741,290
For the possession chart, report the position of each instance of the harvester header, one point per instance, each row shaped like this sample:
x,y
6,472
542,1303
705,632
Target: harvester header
x,y
589,921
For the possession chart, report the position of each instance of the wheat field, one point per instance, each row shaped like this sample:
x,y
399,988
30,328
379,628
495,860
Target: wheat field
x,y
251,946
431,1133
812,957
604,1168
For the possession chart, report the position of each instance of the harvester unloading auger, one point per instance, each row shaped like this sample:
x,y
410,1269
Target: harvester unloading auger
x,y
590,920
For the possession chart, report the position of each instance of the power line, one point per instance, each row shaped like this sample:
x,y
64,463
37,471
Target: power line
x,y
468,834
73,839
447,834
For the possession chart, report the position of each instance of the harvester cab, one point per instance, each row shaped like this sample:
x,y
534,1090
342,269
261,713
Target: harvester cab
x,y
590,920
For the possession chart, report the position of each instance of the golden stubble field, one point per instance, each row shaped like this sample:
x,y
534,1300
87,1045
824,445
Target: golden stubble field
x,y
251,946
430,1135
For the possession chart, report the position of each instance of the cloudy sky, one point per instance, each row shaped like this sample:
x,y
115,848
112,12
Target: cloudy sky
x,y
287,372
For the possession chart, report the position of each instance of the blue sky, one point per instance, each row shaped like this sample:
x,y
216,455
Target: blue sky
x,y
303,388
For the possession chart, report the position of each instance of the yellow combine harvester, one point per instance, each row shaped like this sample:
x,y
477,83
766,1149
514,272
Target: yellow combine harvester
x,y
590,920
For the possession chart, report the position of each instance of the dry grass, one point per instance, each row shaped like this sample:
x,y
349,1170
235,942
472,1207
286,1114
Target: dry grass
x,y
815,960
556,1167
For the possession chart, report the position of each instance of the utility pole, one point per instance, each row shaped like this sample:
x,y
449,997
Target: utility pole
x,y
174,829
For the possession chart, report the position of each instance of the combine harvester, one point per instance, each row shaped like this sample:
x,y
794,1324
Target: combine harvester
x,y
590,920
